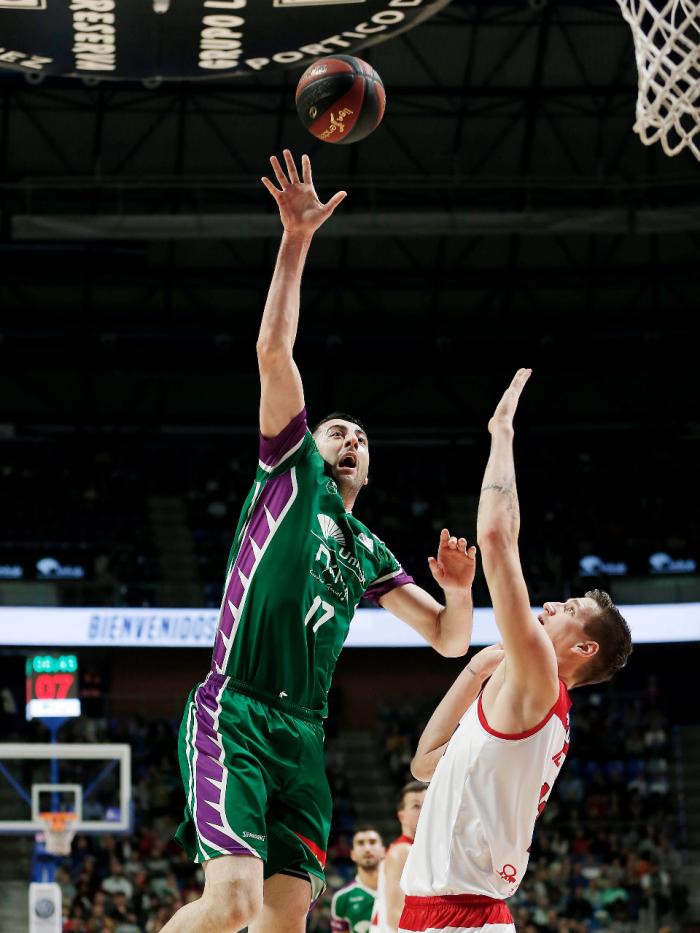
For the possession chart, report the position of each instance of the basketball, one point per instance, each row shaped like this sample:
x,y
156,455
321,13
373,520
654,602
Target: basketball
x,y
340,99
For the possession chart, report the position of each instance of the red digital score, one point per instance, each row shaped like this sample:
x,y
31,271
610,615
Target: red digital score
x,y
52,686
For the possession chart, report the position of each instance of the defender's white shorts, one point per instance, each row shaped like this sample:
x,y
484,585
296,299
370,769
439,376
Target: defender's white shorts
x,y
455,913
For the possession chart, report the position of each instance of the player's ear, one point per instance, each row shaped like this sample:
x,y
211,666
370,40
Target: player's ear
x,y
366,481
587,649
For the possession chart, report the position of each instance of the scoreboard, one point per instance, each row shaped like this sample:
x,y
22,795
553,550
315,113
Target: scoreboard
x,y
52,686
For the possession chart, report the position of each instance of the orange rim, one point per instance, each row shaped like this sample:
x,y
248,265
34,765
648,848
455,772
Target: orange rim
x,y
57,821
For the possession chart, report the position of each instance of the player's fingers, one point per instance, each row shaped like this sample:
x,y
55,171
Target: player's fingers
x,y
520,379
279,174
291,166
331,205
462,544
306,170
271,188
452,543
444,536
471,553
435,567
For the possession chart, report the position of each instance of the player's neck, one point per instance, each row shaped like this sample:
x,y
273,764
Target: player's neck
x,y
408,833
368,877
348,496
568,673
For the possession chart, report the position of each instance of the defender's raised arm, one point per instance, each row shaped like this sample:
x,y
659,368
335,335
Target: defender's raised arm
x,y
301,213
531,666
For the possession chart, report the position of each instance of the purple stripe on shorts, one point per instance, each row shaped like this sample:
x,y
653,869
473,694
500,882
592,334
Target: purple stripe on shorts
x,y
375,592
209,796
272,449
274,499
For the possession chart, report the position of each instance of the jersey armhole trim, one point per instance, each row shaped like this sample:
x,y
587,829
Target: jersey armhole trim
x,y
561,701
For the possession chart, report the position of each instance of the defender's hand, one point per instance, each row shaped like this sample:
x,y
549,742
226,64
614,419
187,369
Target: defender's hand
x,y
505,410
455,564
301,212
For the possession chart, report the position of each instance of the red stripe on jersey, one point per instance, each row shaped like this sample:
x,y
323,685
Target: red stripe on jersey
x,y
337,122
399,839
319,854
452,910
560,710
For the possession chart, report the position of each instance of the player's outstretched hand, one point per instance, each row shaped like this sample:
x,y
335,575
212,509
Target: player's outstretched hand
x,y
505,410
455,564
301,211
485,662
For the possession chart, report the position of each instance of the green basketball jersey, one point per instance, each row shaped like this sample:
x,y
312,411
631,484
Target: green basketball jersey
x,y
351,908
298,567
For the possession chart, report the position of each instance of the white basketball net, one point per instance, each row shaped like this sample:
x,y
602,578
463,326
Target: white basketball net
x,y
667,48
58,832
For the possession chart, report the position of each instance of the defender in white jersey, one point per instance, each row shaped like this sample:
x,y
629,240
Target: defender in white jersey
x,y
493,754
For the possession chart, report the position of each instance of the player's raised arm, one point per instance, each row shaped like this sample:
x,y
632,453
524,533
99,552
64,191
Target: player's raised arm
x,y
301,213
530,662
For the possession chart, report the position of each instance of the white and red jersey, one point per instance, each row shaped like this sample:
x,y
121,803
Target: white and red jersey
x,y
478,816
380,923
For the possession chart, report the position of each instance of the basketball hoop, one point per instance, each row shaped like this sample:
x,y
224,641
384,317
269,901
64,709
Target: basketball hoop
x,y
57,831
667,49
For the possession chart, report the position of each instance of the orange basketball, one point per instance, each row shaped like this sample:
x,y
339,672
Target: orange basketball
x,y
340,99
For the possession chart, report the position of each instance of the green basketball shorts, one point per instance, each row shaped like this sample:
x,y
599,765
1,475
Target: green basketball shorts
x,y
255,781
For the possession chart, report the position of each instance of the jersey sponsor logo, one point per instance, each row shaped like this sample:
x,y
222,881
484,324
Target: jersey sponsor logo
x,y
335,561
367,541
330,529
332,487
508,873
257,836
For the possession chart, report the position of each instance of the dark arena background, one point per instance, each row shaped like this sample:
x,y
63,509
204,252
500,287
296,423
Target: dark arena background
x,y
504,214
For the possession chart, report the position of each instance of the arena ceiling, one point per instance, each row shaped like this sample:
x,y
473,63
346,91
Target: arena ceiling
x,y
504,214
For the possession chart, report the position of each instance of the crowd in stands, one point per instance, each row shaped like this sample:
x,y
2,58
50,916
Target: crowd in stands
x,y
606,853
606,856
84,502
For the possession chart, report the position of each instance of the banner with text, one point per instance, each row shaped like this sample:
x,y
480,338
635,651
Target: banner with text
x,y
184,39
194,628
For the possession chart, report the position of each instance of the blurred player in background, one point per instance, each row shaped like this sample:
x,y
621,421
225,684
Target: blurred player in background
x,y
492,763
258,805
389,901
352,905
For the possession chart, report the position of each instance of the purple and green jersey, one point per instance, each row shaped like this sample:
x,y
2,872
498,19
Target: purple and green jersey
x,y
351,908
298,568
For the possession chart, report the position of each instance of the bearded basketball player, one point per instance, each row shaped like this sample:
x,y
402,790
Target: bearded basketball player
x,y
251,741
